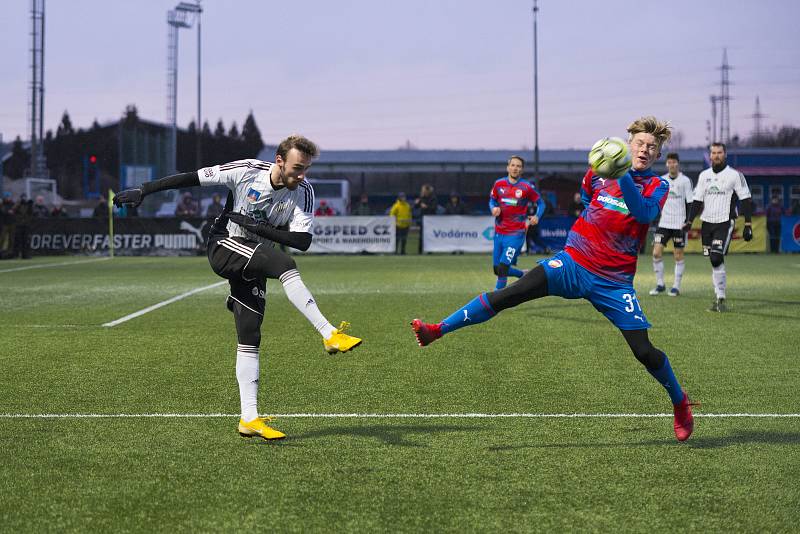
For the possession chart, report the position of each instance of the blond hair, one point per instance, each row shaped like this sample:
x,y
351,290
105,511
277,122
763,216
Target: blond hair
x,y
661,130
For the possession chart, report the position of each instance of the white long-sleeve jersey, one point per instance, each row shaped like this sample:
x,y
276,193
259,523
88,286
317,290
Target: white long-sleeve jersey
x,y
715,190
673,214
253,195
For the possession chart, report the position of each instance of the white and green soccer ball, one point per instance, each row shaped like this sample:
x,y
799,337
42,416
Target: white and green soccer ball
x,y
610,157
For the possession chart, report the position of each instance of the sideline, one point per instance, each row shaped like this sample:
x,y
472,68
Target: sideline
x,y
394,415
43,265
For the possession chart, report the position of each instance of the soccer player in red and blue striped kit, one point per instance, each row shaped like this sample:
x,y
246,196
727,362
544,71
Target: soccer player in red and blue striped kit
x,y
508,203
598,263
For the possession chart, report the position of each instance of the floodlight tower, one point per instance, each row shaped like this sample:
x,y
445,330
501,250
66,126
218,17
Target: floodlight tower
x,y
36,104
725,99
181,17
713,137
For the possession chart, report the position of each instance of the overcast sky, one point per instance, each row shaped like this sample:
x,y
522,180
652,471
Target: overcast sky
x,y
369,74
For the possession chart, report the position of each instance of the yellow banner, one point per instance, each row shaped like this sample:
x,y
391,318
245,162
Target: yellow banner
x,y
758,243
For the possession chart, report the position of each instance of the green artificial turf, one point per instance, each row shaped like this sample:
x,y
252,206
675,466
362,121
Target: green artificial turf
x,y
453,474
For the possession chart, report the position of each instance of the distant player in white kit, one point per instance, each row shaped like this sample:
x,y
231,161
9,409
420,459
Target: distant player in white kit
x,y
714,200
271,203
670,226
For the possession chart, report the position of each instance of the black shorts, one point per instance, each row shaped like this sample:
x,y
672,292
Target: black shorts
x,y
716,237
663,235
229,256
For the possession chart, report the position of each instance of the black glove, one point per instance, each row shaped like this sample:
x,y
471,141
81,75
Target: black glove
x,y
245,221
129,197
747,233
686,227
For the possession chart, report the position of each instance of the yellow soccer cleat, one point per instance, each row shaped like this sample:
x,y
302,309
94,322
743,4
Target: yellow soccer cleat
x,y
341,342
258,427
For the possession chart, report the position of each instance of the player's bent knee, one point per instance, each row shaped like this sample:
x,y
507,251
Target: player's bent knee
x,y
649,356
643,350
248,324
716,258
657,252
532,285
269,263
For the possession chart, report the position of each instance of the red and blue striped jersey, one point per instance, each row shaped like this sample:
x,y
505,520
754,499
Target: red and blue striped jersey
x,y
513,198
607,236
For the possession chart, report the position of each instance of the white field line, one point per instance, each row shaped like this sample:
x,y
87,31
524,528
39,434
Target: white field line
x,y
394,415
162,304
42,266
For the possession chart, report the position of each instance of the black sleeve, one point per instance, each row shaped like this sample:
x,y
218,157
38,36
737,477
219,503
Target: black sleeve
x,y
747,209
697,208
296,240
175,181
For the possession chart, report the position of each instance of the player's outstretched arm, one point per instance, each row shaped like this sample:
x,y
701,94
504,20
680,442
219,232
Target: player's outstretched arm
x,y
133,197
644,209
296,240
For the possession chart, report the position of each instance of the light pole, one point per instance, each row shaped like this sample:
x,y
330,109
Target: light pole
x,y
535,97
180,17
199,155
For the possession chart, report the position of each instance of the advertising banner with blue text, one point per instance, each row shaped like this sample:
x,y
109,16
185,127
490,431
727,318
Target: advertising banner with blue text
x,y
454,233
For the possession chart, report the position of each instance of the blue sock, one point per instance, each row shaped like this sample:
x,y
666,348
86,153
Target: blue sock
x,y
666,378
502,281
475,311
513,271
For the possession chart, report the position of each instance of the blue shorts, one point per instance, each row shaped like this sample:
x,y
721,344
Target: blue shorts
x,y
616,300
507,248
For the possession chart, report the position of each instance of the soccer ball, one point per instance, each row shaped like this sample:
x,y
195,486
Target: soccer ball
x,y
609,157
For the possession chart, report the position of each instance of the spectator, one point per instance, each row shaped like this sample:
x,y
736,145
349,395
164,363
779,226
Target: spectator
x,y
23,212
795,207
774,214
324,210
363,206
7,225
58,211
401,211
101,210
187,207
216,208
426,204
454,206
576,207
40,208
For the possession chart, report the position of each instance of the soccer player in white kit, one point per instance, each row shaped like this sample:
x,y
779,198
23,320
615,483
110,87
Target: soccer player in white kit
x,y
670,225
272,203
714,200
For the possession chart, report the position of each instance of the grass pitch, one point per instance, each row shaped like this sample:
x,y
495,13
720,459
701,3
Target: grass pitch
x,y
381,473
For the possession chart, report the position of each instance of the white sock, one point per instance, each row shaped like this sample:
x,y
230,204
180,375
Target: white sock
x,y
679,266
720,280
247,376
300,296
658,267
